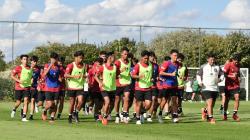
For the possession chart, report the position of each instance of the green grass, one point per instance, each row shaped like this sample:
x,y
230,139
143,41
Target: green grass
x,y
190,128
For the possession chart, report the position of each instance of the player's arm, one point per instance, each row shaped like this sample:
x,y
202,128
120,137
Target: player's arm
x,y
98,75
164,67
199,77
118,66
220,75
135,73
14,75
68,73
226,71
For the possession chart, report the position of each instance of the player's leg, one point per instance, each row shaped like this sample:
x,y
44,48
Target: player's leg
x,y
236,106
117,103
210,105
227,99
18,98
26,98
180,99
32,103
72,100
163,103
61,104
105,107
126,98
98,102
80,100
174,107
138,105
54,106
48,104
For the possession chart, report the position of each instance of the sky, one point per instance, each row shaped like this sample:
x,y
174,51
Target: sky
x,y
188,13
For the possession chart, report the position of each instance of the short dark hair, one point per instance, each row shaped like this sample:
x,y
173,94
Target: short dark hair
x,y
124,49
61,59
102,53
135,60
210,55
144,53
99,60
34,58
24,55
236,57
110,54
166,58
54,55
181,56
152,54
78,53
174,51
130,55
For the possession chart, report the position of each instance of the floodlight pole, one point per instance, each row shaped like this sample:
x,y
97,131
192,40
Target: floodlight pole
x,y
12,42
78,33
200,47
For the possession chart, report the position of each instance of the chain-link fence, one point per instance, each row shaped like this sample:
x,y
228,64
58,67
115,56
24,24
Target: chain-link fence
x,y
20,37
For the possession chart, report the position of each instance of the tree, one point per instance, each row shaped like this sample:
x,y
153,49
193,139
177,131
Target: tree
x,y
117,45
2,62
239,42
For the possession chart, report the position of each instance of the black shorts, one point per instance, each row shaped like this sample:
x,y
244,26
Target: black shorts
x,y
169,92
143,95
131,97
20,94
110,94
75,93
210,94
121,90
41,96
155,92
180,93
222,89
95,95
160,93
34,94
232,92
51,96
62,93
85,95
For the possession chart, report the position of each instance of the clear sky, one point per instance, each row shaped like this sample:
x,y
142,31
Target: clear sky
x,y
191,13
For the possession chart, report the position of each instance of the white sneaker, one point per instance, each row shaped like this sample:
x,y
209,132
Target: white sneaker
x,y
91,112
86,113
36,109
142,118
145,115
128,119
117,120
122,118
175,120
125,119
160,119
24,120
149,120
138,122
12,115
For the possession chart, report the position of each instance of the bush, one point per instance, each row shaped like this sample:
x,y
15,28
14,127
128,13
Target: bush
x,y
6,86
